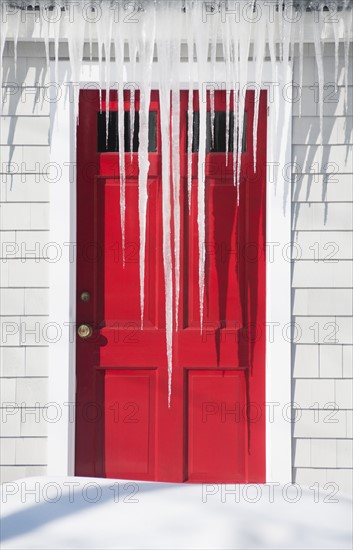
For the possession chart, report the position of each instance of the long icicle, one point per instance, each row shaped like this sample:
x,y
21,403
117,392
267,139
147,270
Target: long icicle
x,y
190,40
244,30
259,50
146,47
164,61
106,22
3,35
175,62
119,69
133,48
202,40
320,69
347,41
301,60
75,38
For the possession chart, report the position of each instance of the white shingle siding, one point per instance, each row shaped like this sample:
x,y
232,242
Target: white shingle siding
x,y
322,281
24,282
322,275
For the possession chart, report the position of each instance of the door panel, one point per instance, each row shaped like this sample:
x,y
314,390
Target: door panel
x,y
124,428
129,416
216,425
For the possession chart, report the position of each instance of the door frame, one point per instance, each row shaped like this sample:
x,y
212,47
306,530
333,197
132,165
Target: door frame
x,y
62,273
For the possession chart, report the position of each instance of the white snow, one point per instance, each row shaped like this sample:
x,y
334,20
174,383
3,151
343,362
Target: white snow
x,y
257,24
89,513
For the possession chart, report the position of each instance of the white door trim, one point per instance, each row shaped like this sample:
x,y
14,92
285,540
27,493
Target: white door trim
x,y
61,434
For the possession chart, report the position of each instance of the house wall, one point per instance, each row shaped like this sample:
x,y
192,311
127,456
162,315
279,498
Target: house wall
x,y
322,279
321,289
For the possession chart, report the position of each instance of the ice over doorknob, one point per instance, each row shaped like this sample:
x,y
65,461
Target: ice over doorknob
x,y
85,331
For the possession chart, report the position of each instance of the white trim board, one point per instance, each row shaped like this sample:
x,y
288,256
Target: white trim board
x,y
61,434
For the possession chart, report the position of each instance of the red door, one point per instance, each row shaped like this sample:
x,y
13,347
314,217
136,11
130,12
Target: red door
x,y
214,430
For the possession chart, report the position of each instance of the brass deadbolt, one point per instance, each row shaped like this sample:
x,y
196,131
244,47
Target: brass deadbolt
x,y
85,296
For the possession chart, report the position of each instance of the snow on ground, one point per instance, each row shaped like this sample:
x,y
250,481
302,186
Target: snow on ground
x,y
86,513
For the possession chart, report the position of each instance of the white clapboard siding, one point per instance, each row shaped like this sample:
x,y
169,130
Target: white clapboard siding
x,y
323,159
12,361
325,216
26,187
29,273
25,101
335,131
25,245
322,274
347,358
323,245
305,361
31,71
311,329
329,187
330,481
331,361
22,159
322,301
310,74
20,130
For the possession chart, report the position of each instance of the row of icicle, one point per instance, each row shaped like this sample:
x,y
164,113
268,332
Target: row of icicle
x,y
166,25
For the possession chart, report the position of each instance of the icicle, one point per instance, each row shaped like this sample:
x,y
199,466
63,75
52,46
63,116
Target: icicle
x,y
347,40
320,70
259,53
56,25
214,34
132,119
90,41
244,46
335,26
15,38
236,93
287,31
106,21
272,48
164,62
146,46
301,60
281,28
100,33
45,32
133,48
119,69
190,105
175,62
202,39
75,37
3,35
227,59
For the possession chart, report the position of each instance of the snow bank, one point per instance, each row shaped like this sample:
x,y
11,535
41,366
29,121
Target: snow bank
x,y
85,513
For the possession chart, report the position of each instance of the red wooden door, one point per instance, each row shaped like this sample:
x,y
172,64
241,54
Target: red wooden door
x,y
214,430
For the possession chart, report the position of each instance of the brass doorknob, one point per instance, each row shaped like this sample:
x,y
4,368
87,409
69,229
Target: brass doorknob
x,y
85,331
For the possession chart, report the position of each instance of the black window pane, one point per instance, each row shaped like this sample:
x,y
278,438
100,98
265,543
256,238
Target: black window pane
x,y
219,139
113,133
